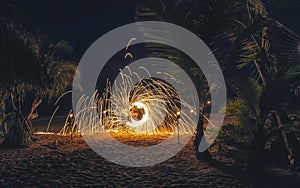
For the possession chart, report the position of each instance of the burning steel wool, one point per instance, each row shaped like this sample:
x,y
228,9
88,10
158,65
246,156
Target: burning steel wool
x,y
139,114
150,106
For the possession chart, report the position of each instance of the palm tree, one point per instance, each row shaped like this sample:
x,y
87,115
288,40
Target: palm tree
x,y
213,21
30,70
270,52
246,40
248,111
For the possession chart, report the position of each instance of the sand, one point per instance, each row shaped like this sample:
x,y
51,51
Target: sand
x,y
56,161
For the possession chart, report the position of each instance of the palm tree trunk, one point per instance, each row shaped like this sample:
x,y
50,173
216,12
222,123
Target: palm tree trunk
x,y
286,143
18,134
205,155
199,135
201,155
4,115
257,158
290,157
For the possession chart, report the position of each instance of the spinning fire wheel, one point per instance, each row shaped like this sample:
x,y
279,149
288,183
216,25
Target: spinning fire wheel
x,y
139,110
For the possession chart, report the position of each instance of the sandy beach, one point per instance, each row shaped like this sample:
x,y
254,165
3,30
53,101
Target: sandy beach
x,y
58,161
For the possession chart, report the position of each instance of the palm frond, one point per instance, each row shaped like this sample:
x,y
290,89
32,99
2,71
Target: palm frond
x,y
245,88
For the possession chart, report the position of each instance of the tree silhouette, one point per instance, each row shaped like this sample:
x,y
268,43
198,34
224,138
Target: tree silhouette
x,y
30,70
246,41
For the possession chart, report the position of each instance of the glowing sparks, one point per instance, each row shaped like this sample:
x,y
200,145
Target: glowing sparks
x,y
129,42
150,106
128,55
127,46
134,102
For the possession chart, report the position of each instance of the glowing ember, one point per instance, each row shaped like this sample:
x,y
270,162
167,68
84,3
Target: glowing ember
x,y
139,114
44,133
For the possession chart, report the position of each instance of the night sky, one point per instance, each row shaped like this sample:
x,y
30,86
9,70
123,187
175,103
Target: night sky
x,y
78,22
287,12
81,22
